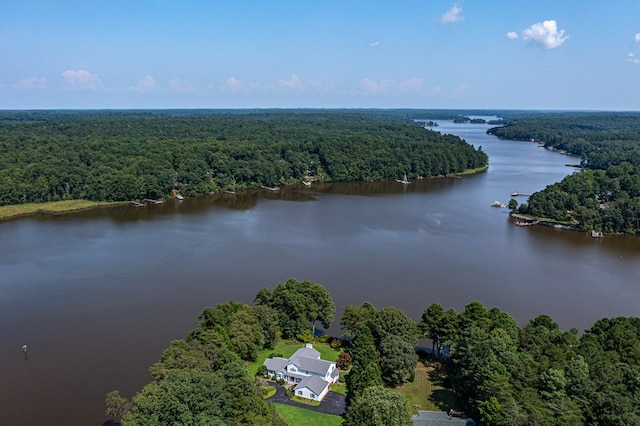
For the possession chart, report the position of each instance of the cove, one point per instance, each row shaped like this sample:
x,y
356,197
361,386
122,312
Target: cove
x,y
96,295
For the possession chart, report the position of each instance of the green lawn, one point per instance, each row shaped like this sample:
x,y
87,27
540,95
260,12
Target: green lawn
x,y
427,394
287,348
299,416
8,212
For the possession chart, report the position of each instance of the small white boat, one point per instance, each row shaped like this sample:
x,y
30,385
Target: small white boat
x,y
498,204
306,183
179,197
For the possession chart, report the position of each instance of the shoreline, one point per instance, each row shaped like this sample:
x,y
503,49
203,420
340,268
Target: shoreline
x,y
17,211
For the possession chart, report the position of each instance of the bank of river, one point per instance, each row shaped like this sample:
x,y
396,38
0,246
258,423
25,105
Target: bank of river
x,y
98,294
54,207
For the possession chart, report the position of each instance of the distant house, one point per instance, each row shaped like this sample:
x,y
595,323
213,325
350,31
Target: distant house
x,y
435,418
312,376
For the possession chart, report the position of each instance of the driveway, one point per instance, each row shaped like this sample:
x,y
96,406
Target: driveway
x,y
333,403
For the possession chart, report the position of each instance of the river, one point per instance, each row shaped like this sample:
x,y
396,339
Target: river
x,y
97,295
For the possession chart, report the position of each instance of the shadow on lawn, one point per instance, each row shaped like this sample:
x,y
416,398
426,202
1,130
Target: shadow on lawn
x,y
444,398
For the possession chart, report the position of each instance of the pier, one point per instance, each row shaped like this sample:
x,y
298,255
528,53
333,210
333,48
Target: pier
x,y
270,188
152,201
520,194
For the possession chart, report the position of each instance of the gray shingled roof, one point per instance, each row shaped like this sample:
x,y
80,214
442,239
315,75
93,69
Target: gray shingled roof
x,y
435,418
315,384
307,353
275,363
317,366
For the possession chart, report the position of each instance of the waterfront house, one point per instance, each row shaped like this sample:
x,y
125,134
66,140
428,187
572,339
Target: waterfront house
x,y
311,375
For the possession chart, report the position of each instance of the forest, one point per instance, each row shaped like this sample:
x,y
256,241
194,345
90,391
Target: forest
x,y
605,195
128,155
499,372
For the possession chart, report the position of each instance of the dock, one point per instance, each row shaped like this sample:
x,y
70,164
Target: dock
x,y
152,201
520,194
270,188
136,204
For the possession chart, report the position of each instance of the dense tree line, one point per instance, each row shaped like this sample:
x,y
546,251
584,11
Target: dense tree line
x,y
601,139
604,197
502,374
603,200
116,156
539,374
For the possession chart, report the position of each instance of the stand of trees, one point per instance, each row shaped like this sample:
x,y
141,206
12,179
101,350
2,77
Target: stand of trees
x,y
502,374
539,374
119,156
606,196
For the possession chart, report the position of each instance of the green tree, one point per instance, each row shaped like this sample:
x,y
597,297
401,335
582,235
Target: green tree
x,y
378,406
117,405
365,369
186,397
300,304
391,321
397,360
440,326
354,317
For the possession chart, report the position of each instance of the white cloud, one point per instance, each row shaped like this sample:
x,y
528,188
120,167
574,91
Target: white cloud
x,y
452,15
146,84
32,83
512,35
545,35
631,57
636,38
292,84
82,79
233,83
374,44
181,86
369,85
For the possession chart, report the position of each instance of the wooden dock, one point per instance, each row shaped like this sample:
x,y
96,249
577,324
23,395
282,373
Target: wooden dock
x,y
270,188
152,201
136,204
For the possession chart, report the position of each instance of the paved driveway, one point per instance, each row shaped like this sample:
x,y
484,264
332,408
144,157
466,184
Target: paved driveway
x,y
333,403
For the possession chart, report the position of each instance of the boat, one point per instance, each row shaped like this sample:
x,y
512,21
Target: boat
x,y
270,188
596,234
306,183
499,205
179,197
404,180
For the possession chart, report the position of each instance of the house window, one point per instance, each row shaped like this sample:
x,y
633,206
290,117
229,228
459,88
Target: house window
x,y
313,396
299,392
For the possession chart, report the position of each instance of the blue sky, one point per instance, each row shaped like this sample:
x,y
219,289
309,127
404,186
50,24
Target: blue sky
x,y
512,54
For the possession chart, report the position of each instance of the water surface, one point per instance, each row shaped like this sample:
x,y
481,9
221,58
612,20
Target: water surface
x,y
97,295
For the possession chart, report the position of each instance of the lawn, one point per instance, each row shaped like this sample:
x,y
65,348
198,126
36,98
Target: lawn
x,y
301,416
287,348
8,212
426,393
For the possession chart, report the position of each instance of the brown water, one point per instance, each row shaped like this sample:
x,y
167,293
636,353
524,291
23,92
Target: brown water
x,y
97,295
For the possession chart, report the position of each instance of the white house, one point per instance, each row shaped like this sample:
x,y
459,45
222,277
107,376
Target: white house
x,y
312,376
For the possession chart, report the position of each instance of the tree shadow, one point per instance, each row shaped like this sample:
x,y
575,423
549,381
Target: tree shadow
x,y
444,398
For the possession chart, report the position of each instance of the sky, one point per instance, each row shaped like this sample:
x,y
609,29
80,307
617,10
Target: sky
x,y
432,54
